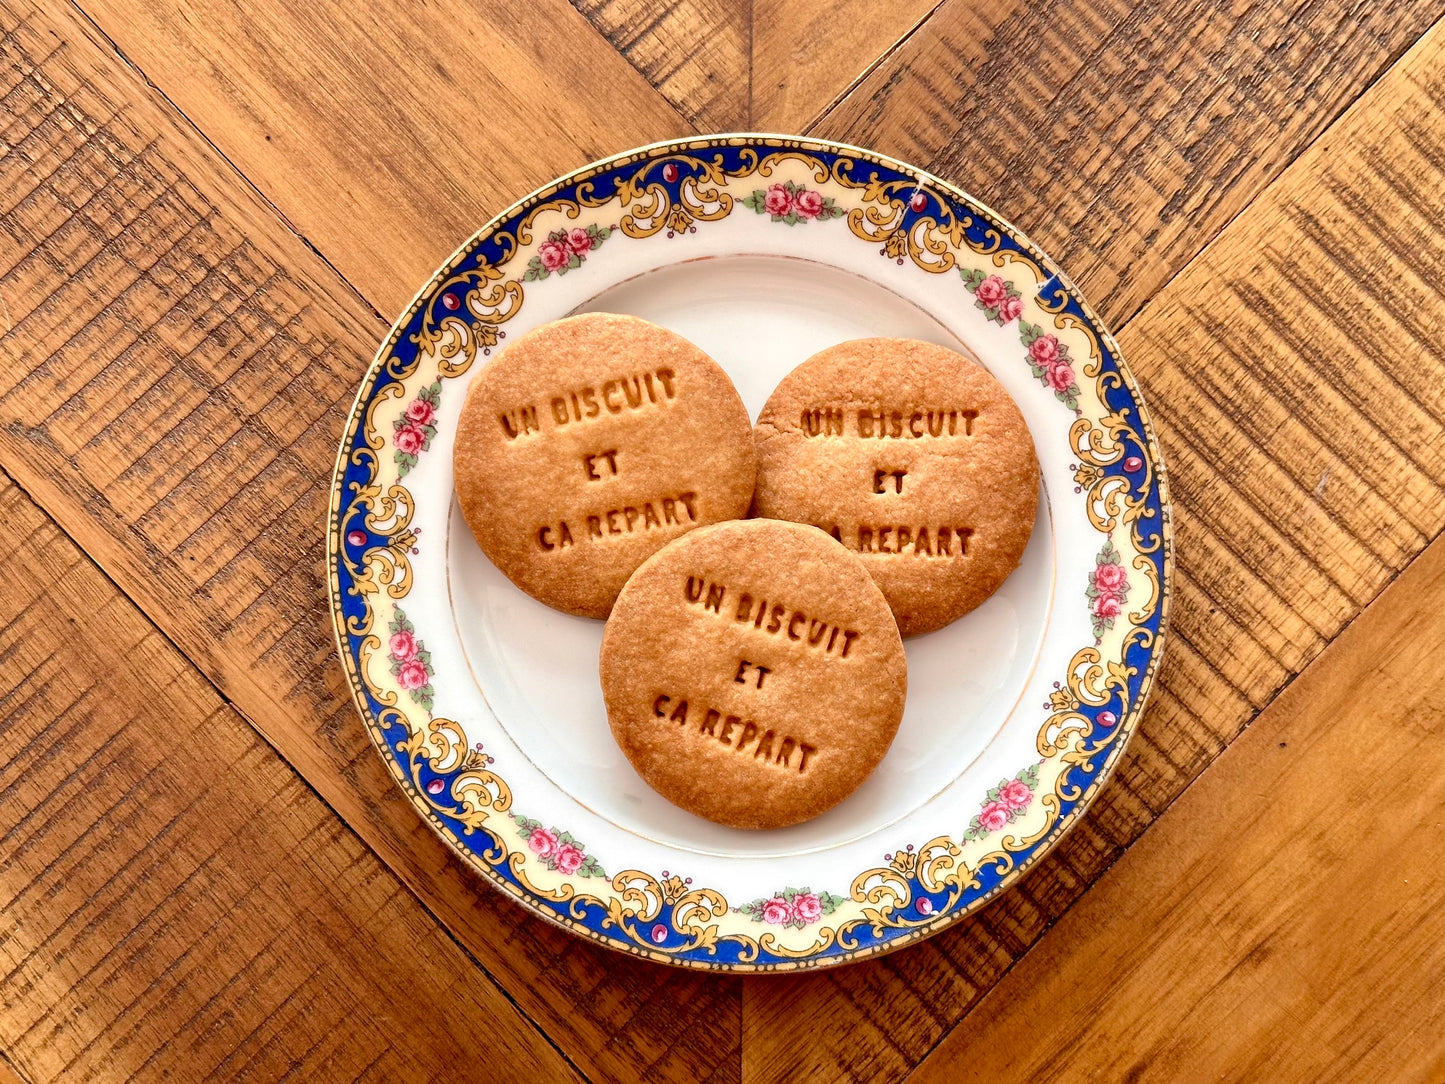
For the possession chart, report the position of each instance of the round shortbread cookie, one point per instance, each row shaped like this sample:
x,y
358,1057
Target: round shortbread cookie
x,y
912,456
753,673
589,444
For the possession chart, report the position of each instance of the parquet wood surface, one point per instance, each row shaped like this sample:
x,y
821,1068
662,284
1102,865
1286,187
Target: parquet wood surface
x,y
208,214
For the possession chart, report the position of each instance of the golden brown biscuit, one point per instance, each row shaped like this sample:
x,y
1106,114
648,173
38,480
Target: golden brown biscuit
x,y
753,673
591,442
915,458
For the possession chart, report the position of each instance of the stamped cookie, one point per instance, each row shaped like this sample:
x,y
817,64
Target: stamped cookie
x,y
753,673
590,443
915,458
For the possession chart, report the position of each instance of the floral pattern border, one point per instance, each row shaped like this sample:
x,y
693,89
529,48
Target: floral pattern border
x,y
674,187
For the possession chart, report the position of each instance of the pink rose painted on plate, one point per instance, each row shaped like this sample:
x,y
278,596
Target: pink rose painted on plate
x,y
994,816
413,431
1107,606
410,440
1110,577
420,412
999,298
565,250
557,850
1060,376
409,660
402,645
1005,803
579,240
1049,361
776,911
1108,590
554,255
991,291
792,908
808,907
1044,349
1016,794
412,675
790,202
569,858
809,203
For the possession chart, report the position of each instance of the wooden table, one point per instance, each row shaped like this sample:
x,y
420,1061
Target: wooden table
x,y
212,210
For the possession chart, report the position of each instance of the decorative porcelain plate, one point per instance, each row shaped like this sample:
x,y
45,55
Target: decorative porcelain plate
x,y
486,704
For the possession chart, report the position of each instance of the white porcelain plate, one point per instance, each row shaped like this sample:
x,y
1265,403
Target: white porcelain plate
x,y
486,704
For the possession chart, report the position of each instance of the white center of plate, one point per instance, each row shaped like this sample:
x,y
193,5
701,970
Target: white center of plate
x,y
758,316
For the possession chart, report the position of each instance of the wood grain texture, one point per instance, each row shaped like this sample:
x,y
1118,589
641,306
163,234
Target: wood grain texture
x,y
152,392
388,133
1283,920
176,902
178,367
1122,135
764,65
1293,378
808,52
697,53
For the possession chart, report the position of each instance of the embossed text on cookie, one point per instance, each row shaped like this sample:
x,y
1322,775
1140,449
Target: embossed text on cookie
x,y
636,391
747,669
886,424
600,466
775,618
767,745
654,515
898,538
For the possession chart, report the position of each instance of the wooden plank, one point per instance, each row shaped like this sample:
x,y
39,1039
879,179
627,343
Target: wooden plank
x,y
806,53
1122,135
178,367
1285,920
769,66
387,133
1315,316
697,53
176,901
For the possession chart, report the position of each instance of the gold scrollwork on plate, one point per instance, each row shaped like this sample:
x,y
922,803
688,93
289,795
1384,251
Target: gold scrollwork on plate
x,y
883,892
646,207
481,293
441,745
387,514
826,938
1111,498
638,898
